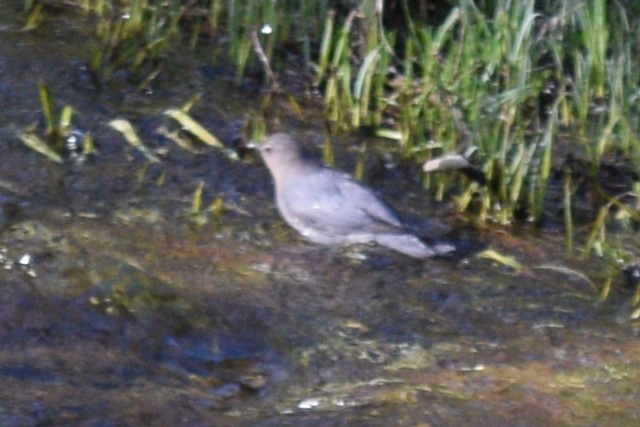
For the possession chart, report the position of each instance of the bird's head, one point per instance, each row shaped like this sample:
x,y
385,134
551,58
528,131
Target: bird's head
x,y
281,153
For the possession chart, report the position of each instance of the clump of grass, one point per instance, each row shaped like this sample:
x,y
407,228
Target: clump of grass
x,y
213,213
60,138
135,36
187,136
478,82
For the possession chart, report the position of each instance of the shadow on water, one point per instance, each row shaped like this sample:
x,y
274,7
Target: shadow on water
x,y
117,309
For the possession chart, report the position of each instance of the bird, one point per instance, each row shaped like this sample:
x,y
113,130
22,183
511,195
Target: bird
x,y
331,208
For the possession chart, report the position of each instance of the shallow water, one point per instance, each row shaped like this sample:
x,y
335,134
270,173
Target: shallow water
x,y
118,307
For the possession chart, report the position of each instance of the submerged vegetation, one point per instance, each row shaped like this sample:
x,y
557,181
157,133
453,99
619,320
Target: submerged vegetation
x,y
60,137
540,97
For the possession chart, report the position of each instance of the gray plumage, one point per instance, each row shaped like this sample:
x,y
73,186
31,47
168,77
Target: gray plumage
x,y
331,208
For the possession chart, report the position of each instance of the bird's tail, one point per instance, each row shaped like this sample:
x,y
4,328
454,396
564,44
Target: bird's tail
x,y
409,244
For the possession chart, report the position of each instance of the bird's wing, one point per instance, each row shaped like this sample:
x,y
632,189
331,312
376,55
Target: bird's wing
x,y
368,202
330,201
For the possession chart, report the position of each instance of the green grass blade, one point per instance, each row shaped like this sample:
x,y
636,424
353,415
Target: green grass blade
x,y
130,135
193,127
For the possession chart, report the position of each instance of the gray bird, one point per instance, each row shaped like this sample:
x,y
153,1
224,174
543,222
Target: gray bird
x,y
329,207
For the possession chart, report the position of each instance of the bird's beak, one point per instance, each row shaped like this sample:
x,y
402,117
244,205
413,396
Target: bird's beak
x,y
253,145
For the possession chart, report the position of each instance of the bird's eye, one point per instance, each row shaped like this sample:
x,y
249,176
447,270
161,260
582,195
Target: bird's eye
x,y
267,150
